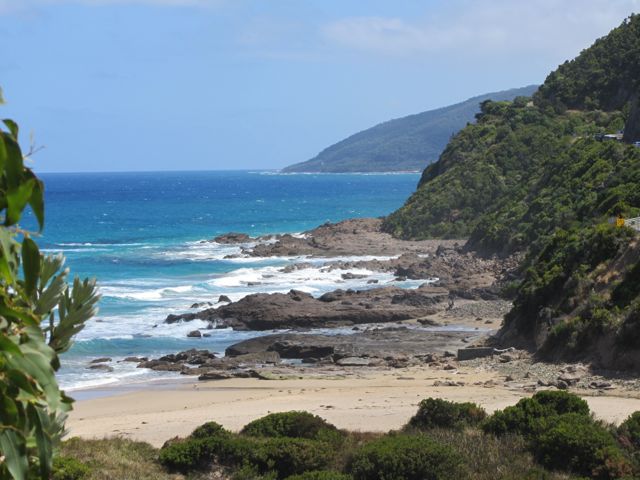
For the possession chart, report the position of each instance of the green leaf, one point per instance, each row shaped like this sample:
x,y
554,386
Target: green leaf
x,y
2,102
36,201
12,446
75,309
3,152
17,199
14,167
8,256
12,126
45,451
7,346
30,265
50,297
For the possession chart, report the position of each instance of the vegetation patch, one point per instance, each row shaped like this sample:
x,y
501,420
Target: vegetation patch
x,y
438,413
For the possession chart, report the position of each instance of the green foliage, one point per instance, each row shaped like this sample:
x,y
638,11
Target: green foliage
x,y
630,430
116,458
559,281
602,77
288,456
576,443
629,288
510,180
276,444
291,424
209,430
531,416
185,455
438,413
33,293
320,475
406,457
534,177
404,144
66,468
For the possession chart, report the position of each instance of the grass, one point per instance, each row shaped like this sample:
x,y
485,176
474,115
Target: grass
x,y
117,458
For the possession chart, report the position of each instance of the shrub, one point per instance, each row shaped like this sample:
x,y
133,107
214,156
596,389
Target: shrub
x,y
67,468
435,412
320,475
406,457
282,456
560,402
184,455
289,456
290,424
530,416
629,430
575,442
527,417
209,429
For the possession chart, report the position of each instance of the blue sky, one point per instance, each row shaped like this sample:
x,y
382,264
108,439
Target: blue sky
x,y
118,85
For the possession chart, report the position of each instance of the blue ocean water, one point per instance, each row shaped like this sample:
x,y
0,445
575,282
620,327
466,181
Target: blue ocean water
x,y
140,235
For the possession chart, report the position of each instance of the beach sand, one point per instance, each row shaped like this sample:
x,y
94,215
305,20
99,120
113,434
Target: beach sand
x,y
375,400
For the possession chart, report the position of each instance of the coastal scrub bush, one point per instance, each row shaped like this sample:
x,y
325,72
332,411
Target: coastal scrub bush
x,y
68,468
282,456
629,431
210,429
206,443
406,457
575,442
530,416
321,475
290,424
560,402
39,315
435,412
288,456
184,455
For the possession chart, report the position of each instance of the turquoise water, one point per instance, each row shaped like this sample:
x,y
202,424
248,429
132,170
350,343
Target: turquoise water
x,y
139,234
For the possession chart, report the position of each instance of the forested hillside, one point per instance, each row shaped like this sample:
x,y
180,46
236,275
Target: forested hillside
x,y
404,144
536,176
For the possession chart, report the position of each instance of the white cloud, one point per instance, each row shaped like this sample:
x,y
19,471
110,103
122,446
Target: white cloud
x,y
499,26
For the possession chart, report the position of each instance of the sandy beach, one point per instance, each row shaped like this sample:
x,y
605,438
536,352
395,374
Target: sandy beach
x,y
378,400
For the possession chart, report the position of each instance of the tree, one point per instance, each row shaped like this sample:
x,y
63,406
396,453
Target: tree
x,y
39,315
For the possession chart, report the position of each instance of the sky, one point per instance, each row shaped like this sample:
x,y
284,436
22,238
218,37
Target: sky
x,y
145,85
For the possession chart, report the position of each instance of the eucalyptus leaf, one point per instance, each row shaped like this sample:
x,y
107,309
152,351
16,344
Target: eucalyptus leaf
x,y
30,265
12,445
12,126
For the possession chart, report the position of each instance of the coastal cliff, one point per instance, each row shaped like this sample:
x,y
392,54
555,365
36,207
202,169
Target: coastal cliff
x,y
539,176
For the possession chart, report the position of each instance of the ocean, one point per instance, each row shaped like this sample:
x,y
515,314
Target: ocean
x,y
140,235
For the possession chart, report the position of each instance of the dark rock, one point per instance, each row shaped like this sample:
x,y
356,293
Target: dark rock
x,y
100,366
201,304
474,352
352,276
100,360
224,298
214,376
233,237
135,359
262,311
194,334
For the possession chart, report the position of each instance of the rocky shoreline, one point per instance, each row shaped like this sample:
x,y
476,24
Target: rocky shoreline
x,y
457,305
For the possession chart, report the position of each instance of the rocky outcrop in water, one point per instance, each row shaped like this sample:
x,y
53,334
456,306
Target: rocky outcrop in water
x,y
296,309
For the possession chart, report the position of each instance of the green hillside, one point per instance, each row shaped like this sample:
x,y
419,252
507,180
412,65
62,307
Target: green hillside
x,y
534,176
404,144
